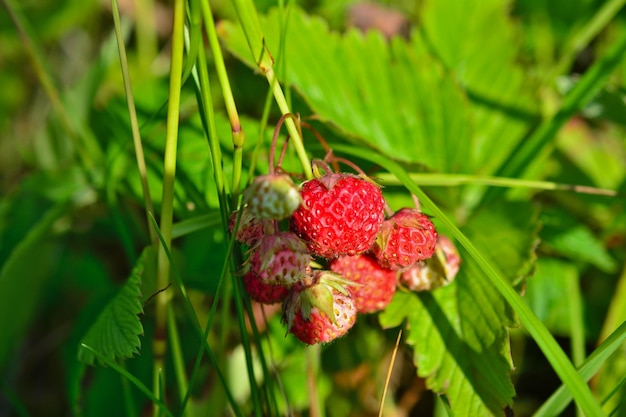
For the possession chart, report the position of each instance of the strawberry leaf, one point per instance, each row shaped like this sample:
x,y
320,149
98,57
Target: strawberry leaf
x,y
459,332
393,96
115,332
502,102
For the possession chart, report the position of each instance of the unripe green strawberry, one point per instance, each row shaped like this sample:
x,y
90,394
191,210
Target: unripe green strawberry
x,y
251,228
341,215
321,311
280,259
272,196
435,272
375,284
262,292
404,239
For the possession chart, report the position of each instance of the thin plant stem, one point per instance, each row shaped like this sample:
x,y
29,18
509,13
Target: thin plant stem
x,y
129,403
146,33
179,362
316,408
167,206
248,18
454,180
577,325
130,377
389,372
201,75
262,125
132,112
275,369
189,310
584,36
238,135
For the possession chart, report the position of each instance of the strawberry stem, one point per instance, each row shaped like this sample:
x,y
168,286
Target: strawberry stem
x,y
275,138
322,142
318,163
350,164
282,152
416,201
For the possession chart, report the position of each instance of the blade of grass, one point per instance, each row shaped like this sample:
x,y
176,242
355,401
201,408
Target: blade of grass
x,y
167,205
585,35
249,20
212,312
594,79
129,403
204,93
316,407
203,90
548,345
562,397
188,308
132,113
146,33
130,377
82,138
577,324
237,132
453,180
389,372
178,359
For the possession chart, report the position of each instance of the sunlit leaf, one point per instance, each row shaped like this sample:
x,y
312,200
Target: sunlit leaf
x,y
392,96
503,106
115,332
459,332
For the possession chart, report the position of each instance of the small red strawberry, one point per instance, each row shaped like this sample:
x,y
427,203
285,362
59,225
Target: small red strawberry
x,y
341,215
375,284
404,239
251,228
280,259
262,292
435,272
321,311
272,196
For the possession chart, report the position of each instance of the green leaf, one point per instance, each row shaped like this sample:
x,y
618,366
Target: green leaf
x,y
24,276
545,293
459,332
564,235
115,332
462,36
392,96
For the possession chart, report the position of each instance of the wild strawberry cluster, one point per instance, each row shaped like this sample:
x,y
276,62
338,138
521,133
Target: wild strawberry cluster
x,y
327,251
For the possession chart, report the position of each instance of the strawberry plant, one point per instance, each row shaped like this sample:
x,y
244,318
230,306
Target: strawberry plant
x,y
324,208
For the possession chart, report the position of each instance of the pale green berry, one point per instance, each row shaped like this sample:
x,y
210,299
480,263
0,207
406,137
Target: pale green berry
x,y
272,196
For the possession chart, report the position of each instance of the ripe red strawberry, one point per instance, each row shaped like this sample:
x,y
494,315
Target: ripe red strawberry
x,y
280,259
341,215
272,196
251,228
263,292
435,272
375,284
404,239
320,312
